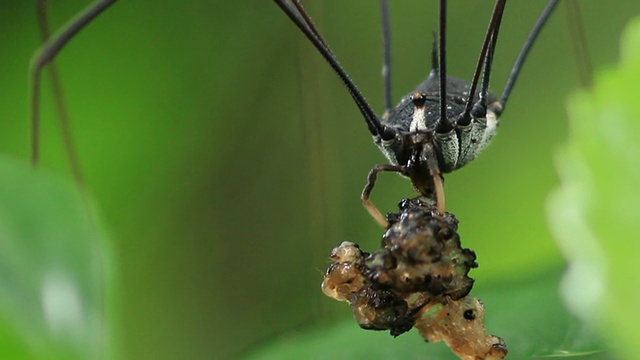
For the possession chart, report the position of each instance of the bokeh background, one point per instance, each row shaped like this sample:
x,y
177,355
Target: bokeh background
x,y
227,160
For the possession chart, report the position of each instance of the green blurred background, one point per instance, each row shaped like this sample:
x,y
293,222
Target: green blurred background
x,y
227,160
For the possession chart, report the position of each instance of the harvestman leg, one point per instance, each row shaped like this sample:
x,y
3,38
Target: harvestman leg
x,y
44,56
580,49
386,55
371,182
517,66
386,80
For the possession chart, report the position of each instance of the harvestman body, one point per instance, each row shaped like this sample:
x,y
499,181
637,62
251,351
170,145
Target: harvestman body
x,y
441,125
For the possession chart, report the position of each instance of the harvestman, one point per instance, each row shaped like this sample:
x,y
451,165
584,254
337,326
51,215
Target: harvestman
x,y
441,125
424,136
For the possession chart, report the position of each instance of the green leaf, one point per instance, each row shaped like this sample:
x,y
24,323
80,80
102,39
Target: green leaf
x,y
528,314
595,212
53,268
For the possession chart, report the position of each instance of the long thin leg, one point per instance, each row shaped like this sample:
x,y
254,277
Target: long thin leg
x,y
45,54
371,182
580,49
515,71
489,41
486,76
56,88
443,123
386,54
294,10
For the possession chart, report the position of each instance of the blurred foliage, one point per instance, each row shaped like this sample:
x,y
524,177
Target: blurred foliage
x,y
227,160
54,269
594,214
